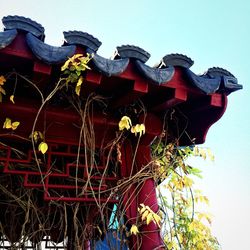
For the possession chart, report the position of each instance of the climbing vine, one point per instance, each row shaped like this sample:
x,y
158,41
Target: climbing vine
x,y
31,219
185,226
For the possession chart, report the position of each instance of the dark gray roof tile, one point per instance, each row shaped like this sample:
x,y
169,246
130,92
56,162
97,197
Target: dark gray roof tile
x,y
216,71
158,76
47,53
206,84
131,51
82,38
177,60
229,85
107,66
24,24
7,37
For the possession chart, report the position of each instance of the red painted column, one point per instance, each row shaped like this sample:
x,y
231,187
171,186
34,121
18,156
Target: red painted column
x,y
149,237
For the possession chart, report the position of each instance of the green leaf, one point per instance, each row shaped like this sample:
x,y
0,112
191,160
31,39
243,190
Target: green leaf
x,y
72,68
195,171
78,72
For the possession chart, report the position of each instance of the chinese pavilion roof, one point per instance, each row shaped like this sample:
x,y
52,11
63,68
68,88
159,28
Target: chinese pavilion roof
x,y
125,78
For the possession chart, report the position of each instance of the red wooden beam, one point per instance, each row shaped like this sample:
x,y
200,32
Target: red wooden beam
x,y
93,77
42,68
178,96
216,100
42,74
140,88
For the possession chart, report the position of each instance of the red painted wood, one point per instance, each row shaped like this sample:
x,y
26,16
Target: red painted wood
x,y
204,117
42,68
179,81
217,100
178,96
141,192
153,127
19,48
93,77
151,237
140,88
62,126
131,73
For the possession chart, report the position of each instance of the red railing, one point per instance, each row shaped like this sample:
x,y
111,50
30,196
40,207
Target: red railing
x,y
59,174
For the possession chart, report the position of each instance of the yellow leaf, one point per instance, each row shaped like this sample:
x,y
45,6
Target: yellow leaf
x,y
149,218
210,154
180,238
157,219
138,128
2,91
74,57
12,99
71,60
142,209
80,81
43,147
7,123
125,123
203,153
196,151
85,60
191,226
37,135
2,80
134,229
78,85
188,182
10,125
144,215
14,125
133,130
78,89
65,65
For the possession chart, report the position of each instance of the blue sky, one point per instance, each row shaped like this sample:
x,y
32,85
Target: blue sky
x,y
212,33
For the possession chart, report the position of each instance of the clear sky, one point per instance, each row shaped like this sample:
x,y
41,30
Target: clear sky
x,y
212,33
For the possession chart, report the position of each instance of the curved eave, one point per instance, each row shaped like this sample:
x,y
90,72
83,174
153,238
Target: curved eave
x,y
212,83
47,53
158,76
230,84
6,37
202,118
109,67
204,83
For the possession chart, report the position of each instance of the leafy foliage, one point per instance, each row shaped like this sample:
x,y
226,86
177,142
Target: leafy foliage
x,y
148,215
73,69
184,227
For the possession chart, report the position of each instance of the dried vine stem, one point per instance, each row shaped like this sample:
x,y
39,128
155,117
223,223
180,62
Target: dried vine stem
x,y
75,221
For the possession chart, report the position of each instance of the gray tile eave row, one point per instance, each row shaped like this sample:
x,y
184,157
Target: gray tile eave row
x,y
215,80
